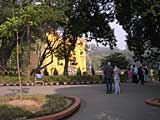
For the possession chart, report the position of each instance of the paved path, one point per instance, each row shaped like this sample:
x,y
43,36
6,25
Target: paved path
x,y
96,105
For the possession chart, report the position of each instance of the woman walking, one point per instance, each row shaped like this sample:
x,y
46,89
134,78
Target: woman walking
x,y
129,73
117,80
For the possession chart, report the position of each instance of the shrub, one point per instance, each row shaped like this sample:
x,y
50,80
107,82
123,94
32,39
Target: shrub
x,y
49,104
123,78
45,73
92,70
85,73
55,72
14,79
79,73
83,78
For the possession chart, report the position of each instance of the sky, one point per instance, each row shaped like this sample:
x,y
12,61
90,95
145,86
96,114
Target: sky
x,y
120,35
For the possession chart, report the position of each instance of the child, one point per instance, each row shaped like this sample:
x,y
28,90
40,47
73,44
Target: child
x,y
129,72
117,80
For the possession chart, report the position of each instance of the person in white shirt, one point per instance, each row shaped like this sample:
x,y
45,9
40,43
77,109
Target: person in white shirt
x,y
135,74
117,80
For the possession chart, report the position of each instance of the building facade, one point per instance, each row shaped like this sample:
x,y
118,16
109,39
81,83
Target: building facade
x,y
77,59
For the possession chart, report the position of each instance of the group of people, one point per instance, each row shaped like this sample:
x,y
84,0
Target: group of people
x,y
109,74
136,74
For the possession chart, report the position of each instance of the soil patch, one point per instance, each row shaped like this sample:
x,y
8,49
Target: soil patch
x,y
32,106
21,103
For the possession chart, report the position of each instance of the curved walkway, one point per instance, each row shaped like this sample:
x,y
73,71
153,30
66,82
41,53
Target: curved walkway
x,y
96,105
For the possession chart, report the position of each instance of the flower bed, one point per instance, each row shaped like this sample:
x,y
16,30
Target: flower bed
x,y
38,106
153,102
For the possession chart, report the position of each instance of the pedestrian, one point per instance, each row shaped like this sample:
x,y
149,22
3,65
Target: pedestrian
x,y
108,76
145,74
141,74
152,74
129,73
117,80
135,72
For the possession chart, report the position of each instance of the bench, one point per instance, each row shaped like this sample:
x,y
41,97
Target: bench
x,y
37,79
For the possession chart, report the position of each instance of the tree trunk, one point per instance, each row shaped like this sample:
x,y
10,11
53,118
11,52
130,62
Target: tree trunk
x,y
66,65
67,54
66,58
18,69
28,40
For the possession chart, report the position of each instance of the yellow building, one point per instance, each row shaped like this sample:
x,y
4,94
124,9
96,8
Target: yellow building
x,y
77,59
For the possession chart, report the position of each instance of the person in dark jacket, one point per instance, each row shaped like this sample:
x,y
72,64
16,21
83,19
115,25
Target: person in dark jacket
x,y
141,74
108,76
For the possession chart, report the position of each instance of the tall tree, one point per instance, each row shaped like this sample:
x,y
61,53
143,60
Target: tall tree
x,y
6,43
90,18
74,17
9,29
116,59
141,20
37,16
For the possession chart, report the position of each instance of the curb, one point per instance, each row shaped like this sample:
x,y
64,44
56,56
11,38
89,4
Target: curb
x,y
152,102
62,114
40,83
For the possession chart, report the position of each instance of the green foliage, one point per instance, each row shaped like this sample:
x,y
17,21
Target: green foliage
x,y
79,73
85,73
14,79
32,14
77,78
6,10
38,17
74,17
123,78
9,27
140,19
86,18
96,53
54,79
50,104
116,59
9,112
61,79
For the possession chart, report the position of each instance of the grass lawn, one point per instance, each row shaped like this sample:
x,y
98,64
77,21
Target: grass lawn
x,y
11,108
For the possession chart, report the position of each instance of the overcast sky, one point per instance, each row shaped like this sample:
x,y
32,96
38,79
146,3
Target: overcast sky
x,y
120,35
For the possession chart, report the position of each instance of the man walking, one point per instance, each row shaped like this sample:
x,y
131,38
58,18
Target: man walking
x,y
108,76
135,72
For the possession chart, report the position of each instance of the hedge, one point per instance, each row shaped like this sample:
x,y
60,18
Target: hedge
x,y
60,79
